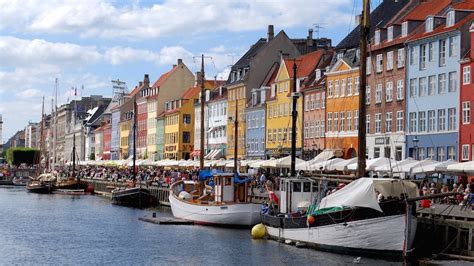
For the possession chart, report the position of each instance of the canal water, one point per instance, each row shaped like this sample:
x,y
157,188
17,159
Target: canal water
x,y
79,230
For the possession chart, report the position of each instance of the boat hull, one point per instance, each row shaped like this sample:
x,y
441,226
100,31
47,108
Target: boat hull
x,y
387,236
39,188
243,214
133,197
72,184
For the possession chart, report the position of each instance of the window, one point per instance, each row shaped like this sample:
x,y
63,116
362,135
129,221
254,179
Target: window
x,y
323,100
400,89
421,121
378,94
429,24
349,120
450,20
367,94
413,56
349,86
390,34
379,63
343,87
451,153
451,118
336,121
452,81
466,112
465,152
390,60
453,46
466,75
431,120
431,85
330,89
422,87
389,92
388,122
412,88
442,83
318,99
306,103
329,122
376,152
269,135
356,85
421,153
401,58
441,154
311,102
398,153
367,124
412,127
336,88
377,37
368,66
186,137
405,29
323,130
441,119
431,153
442,52
187,119
356,120
399,121
422,56
342,123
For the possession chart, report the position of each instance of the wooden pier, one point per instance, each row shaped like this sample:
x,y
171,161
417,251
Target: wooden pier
x,y
165,220
447,230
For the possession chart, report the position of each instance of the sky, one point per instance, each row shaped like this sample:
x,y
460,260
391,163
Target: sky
x,y
88,43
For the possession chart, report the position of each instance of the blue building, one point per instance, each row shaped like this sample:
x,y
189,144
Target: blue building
x,y
432,78
115,134
256,124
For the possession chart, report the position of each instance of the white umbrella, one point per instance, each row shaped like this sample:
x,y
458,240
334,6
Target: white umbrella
x,y
341,165
465,167
285,162
427,167
397,166
256,164
271,163
372,164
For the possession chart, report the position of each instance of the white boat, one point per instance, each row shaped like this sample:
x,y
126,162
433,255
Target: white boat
x,y
351,220
226,204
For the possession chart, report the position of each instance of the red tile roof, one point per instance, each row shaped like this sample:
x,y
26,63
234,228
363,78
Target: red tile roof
x,y
163,77
191,92
426,8
464,5
305,64
442,28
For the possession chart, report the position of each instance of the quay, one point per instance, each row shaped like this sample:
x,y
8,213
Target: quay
x,y
166,220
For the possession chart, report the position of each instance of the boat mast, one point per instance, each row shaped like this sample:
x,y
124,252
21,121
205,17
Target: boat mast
x,y
134,135
364,35
294,114
201,157
236,134
55,131
74,140
41,135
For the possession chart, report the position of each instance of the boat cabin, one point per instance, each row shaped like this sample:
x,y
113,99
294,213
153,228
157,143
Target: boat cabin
x,y
226,189
294,191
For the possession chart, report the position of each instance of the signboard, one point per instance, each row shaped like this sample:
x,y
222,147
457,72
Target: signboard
x,y
382,141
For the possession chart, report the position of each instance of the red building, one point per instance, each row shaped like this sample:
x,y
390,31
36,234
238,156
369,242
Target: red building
x,y
466,123
107,138
142,116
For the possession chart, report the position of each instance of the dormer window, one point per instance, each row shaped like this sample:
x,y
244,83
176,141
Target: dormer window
x,y
405,29
390,34
339,55
238,75
429,24
318,74
377,37
450,19
254,98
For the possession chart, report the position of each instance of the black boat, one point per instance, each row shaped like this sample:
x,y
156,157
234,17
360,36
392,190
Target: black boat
x,y
39,187
137,197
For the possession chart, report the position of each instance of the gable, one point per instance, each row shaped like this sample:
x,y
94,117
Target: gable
x,y
282,73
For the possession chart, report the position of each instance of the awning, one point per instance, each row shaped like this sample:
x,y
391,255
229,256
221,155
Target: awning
x,y
326,155
216,154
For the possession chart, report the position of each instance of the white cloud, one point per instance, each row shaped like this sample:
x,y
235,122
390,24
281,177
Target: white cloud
x,y
172,17
120,55
29,93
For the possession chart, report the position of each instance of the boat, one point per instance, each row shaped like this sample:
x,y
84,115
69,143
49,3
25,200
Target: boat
x,y
40,187
228,204
350,220
21,181
22,175
138,197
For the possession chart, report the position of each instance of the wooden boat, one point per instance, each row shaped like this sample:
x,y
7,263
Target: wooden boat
x,y
351,220
21,180
138,197
71,184
227,205
39,187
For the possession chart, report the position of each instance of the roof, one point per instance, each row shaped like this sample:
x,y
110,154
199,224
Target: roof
x,y
244,61
163,78
442,29
305,64
379,17
191,92
464,5
424,9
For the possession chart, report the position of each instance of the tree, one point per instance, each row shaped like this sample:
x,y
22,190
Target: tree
x,y
17,156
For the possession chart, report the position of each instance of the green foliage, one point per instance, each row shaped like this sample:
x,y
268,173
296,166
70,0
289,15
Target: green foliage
x,y
17,156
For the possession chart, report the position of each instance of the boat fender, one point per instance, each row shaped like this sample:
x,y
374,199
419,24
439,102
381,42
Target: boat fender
x,y
311,219
258,231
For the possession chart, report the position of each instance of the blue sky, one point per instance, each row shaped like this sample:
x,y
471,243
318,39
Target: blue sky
x,y
91,42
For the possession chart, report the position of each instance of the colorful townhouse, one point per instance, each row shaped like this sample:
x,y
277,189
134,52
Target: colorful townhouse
x,y
314,106
142,117
169,86
433,89
385,101
256,117
196,154
160,137
250,71
216,123
126,123
106,140
279,104
466,124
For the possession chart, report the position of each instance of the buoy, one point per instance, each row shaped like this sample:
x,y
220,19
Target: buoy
x,y
258,231
311,219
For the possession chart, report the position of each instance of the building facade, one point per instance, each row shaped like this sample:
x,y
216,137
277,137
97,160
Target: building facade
x,y
466,124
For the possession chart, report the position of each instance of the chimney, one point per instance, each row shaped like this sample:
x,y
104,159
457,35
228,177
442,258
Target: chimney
x,y
146,80
140,83
180,61
198,78
270,33
309,40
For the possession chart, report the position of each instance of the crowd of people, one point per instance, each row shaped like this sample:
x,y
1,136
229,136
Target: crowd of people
x,y
464,196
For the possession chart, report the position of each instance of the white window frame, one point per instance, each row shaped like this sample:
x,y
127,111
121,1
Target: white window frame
x,y
378,93
405,29
450,18
422,87
390,34
400,89
429,24
377,37
452,81
431,85
442,52
466,112
390,60
330,92
368,65
367,94
379,64
401,58
465,152
389,91
388,122
452,119
422,121
441,119
378,123
349,86
466,75
431,121
400,121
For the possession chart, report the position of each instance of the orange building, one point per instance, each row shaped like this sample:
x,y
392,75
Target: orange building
x,y
342,105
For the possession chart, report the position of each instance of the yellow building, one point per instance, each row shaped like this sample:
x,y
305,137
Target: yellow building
x,y
125,129
278,114
151,126
236,97
342,107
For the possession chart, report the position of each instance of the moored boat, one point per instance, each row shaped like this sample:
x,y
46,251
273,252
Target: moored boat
x,y
138,197
71,184
39,187
21,180
227,204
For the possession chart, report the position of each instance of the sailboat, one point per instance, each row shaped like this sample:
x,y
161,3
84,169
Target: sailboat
x,y
227,202
352,219
138,197
39,184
